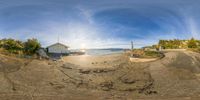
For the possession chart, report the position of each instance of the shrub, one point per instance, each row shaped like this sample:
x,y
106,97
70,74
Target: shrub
x,y
195,50
152,54
13,46
192,43
145,54
31,46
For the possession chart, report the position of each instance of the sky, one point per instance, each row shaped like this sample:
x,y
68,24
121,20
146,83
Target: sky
x,y
99,23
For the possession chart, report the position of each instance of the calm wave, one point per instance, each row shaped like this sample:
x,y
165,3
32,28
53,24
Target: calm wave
x,y
103,51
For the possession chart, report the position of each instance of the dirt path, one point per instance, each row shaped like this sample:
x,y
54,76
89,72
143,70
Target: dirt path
x,y
175,75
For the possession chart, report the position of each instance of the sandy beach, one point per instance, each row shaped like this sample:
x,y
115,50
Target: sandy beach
x,y
101,61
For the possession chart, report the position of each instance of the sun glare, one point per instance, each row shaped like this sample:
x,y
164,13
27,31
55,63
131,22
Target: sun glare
x,y
83,46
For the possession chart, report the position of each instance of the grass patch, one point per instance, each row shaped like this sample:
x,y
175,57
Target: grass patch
x,y
152,54
195,50
146,54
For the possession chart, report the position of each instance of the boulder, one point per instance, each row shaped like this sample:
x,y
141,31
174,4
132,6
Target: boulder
x,y
42,53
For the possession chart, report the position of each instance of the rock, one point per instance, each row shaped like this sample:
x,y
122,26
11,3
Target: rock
x,y
98,71
57,85
14,89
69,66
106,86
102,70
84,71
42,53
150,92
66,66
147,89
128,80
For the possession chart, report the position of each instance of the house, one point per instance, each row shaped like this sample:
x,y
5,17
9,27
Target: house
x,y
146,48
58,48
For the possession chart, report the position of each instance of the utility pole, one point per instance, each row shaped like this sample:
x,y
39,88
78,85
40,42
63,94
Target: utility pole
x,y
58,39
131,45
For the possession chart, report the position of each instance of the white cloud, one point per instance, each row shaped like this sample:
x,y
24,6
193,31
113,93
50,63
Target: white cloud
x,y
87,14
193,28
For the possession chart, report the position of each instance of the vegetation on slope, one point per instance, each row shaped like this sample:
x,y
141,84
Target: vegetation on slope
x,y
177,44
13,46
192,44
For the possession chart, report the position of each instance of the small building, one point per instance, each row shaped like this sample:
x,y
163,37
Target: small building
x,y
146,48
58,48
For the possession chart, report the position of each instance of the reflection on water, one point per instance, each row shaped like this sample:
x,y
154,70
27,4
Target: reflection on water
x,y
96,52
103,51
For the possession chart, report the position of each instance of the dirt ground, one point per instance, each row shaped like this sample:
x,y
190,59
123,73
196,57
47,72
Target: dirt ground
x,y
110,77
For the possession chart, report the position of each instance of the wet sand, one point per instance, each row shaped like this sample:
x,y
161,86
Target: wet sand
x,y
87,61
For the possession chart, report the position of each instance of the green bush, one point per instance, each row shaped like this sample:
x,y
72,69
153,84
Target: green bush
x,y
152,54
19,47
31,46
192,43
179,44
11,45
170,44
145,54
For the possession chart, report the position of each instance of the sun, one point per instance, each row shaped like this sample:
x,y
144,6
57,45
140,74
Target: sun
x,y
83,46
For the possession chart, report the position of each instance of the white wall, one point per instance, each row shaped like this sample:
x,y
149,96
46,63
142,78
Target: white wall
x,y
58,49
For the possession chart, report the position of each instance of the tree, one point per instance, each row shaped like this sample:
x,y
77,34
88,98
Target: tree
x,y
162,43
31,46
192,43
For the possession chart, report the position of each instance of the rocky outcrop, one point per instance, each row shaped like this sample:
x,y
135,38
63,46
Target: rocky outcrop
x,y
42,54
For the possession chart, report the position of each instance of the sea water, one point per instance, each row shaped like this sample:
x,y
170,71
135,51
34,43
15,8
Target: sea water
x,y
96,52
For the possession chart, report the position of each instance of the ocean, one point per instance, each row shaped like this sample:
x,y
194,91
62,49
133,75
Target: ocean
x,y
98,52
103,51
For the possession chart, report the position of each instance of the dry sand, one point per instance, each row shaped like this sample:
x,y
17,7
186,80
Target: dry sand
x,y
142,59
110,77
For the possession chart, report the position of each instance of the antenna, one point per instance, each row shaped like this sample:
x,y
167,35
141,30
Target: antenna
x,y
58,39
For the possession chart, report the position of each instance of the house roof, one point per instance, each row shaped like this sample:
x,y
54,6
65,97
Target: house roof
x,y
57,44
